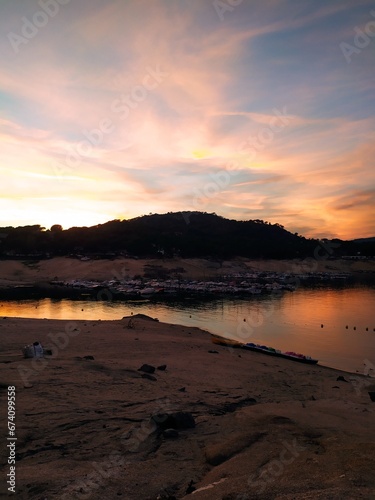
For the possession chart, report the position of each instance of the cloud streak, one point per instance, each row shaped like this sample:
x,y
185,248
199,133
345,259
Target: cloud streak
x,y
220,85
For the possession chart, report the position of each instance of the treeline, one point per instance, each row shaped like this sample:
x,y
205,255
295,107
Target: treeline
x,y
183,234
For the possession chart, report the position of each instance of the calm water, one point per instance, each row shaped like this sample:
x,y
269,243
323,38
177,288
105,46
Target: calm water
x,y
291,321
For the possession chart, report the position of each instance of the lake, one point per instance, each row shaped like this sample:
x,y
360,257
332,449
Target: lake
x,y
335,325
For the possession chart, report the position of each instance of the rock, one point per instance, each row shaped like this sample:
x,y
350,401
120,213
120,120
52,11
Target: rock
x,y
372,395
341,379
149,377
182,389
190,488
162,368
171,434
177,420
147,368
141,316
213,352
312,398
90,358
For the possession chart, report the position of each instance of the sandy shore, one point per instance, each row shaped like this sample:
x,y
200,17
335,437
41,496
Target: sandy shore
x,y
17,272
265,427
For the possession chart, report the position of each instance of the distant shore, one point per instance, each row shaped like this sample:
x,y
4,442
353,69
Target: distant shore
x,y
18,278
90,424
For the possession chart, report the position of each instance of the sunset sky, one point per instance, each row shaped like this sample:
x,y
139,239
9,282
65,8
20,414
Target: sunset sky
x,y
111,109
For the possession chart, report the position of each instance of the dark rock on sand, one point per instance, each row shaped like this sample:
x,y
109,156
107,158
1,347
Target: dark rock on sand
x,y
372,395
190,488
170,434
141,316
89,358
340,378
147,368
162,368
177,420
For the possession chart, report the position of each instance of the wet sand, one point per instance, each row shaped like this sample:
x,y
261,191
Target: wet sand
x,y
265,427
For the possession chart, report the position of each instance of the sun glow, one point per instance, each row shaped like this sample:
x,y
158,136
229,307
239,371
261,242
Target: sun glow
x,y
201,154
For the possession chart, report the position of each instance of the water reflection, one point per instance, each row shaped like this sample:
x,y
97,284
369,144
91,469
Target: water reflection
x,y
290,321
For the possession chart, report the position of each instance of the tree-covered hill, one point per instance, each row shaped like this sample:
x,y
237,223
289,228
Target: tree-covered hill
x,y
184,234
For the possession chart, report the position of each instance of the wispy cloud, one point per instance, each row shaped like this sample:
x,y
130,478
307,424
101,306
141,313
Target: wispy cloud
x,y
219,86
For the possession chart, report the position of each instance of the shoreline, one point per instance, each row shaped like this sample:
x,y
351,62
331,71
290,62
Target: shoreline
x,y
240,349
264,427
21,272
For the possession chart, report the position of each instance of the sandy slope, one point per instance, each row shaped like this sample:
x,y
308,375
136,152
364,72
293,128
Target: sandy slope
x,y
19,272
84,426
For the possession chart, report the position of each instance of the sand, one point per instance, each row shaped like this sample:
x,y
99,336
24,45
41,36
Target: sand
x,y
18,272
266,428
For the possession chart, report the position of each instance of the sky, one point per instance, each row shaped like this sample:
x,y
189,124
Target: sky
x,y
113,109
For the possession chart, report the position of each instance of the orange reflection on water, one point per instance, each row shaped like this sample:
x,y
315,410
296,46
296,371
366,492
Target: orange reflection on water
x,y
291,321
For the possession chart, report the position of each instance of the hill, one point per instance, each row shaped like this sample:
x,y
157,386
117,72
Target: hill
x,y
175,234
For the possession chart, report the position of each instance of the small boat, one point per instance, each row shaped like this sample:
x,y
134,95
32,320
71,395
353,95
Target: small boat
x,y
261,348
216,339
293,356
276,352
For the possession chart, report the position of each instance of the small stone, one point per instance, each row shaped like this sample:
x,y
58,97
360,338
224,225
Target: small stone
x,y
213,352
90,358
171,434
190,488
182,389
147,368
372,395
149,377
162,368
341,379
177,420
